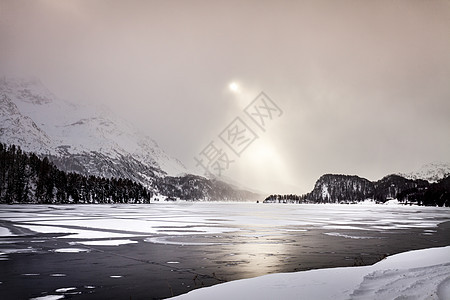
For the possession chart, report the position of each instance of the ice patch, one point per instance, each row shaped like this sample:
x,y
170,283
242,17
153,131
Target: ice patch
x,y
141,227
348,227
63,290
49,297
116,276
75,233
172,262
5,232
347,236
58,275
166,241
23,250
105,242
30,274
3,256
70,250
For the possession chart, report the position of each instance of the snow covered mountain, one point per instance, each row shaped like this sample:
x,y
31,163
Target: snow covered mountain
x,y
86,140
431,172
32,117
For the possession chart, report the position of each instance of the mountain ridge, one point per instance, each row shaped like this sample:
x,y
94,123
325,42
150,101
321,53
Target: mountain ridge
x,y
89,141
431,172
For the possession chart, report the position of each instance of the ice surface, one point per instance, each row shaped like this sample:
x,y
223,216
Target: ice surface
x,y
183,224
421,274
167,219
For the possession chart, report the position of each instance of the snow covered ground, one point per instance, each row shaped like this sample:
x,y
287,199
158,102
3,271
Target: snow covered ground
x,y
421,274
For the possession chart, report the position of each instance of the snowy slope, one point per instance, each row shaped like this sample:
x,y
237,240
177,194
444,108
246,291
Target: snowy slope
x,y
35,119
431,172
421,274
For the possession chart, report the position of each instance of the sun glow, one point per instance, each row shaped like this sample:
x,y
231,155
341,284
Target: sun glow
x,y
234,87
264,164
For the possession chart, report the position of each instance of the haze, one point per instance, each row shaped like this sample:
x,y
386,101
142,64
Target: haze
x,y
364,85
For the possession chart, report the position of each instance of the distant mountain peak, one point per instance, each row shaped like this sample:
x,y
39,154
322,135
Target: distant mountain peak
x,y
35,119
431,172
29,90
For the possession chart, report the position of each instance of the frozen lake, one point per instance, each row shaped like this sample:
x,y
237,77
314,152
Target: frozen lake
x,y
159,250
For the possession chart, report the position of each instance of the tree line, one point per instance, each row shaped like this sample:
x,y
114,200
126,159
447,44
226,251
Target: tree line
x,y
288,198
27,178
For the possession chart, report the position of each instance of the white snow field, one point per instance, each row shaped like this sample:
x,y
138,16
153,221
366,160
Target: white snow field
x,y
420,274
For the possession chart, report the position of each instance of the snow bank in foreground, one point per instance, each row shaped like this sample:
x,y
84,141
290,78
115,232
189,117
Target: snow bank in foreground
x,y
421,274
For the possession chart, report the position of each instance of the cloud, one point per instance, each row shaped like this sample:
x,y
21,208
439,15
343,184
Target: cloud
x,y
364,85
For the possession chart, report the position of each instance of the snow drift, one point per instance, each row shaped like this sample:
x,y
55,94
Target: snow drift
x,y
420,274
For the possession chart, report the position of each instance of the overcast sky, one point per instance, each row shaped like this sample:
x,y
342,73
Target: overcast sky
x,y
364,86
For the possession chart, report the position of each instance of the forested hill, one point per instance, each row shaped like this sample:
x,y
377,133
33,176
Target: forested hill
x,y
337,188
26,178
